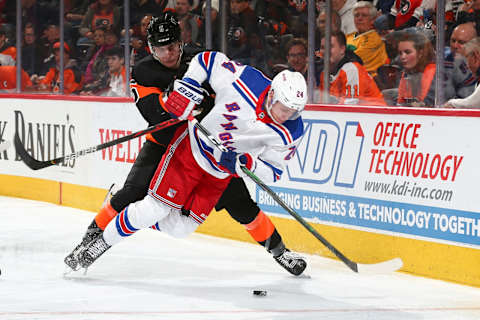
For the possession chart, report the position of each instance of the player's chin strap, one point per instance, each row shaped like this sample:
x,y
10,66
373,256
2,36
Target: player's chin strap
x,y
381,267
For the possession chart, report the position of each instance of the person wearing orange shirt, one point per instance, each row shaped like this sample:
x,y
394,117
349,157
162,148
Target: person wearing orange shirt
x,y
350,82
72,77
8,79
417,85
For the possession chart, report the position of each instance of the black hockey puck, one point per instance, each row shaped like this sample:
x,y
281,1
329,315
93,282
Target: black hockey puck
x,y
261,293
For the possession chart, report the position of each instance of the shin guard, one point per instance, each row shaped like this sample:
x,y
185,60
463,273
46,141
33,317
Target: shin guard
x,y
261,229
106,214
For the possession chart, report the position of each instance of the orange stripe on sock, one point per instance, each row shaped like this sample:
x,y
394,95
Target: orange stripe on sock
x,y
261,228
106,214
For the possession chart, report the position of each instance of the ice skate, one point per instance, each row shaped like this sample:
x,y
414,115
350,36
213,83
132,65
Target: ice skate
x,y
290,261
71,260
93,232
92,252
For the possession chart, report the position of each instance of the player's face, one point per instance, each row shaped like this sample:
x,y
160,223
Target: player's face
x,y
280,113
408,54
169,55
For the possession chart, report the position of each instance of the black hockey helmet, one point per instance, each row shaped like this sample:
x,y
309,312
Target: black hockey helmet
x,y
163,30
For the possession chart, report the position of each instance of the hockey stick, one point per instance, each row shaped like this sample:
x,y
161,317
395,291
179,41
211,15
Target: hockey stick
x,y
35,164
381,267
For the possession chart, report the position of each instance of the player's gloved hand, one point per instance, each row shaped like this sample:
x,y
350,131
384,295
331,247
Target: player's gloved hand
x,y
183,99
228,160
244,160
233,162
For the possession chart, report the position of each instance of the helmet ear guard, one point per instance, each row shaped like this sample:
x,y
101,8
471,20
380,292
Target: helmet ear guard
x,y
290,89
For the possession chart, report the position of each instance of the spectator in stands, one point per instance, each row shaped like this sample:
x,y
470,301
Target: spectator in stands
x,y
417,84
350,82
141,8
297,56
31,60
190,48
182,10
74,13
469,12
321,23
367,42
102,13
6,47
113,82
95,49
243,41
405,14
471,51
72,76
98,64
202,39
50,36
345,10
460,82
8,79
139,43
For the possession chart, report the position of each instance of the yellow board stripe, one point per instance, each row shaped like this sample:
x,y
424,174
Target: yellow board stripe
x,y
433,260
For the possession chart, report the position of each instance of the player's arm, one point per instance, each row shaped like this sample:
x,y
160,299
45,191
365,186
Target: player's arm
x,y
150,103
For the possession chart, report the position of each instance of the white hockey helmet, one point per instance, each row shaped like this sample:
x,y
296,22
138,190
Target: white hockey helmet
x,y
289,88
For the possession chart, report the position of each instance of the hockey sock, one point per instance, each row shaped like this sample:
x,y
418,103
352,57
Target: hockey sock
x,y
106,214
261,229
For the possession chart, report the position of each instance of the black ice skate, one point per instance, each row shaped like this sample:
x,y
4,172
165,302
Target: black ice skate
x,y
290,261
93,232
92,252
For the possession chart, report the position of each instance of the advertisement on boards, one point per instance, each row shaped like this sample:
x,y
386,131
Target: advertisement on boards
x,y
50,129
413,175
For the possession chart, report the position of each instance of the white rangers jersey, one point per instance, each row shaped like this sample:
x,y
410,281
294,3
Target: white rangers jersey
x,y
239,119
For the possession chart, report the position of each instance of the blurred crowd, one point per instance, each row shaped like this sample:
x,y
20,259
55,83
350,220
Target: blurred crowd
x,y
382,51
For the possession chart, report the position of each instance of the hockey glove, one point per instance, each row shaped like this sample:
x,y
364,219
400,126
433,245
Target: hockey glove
x,y
247,161
233,162
228,160
183,99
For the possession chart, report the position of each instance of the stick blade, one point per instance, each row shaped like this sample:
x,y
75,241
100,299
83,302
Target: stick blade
x,y
381,267
27,159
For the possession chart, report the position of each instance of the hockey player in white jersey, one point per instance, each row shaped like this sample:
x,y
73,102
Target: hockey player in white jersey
x,y
258,120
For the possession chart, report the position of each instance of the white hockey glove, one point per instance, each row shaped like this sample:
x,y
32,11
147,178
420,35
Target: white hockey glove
x,y
183,99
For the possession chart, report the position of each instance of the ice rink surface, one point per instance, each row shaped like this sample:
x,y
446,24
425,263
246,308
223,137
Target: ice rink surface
x,y
152,276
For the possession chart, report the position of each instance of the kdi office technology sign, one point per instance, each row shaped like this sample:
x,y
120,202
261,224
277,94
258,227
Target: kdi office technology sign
x,y
402,173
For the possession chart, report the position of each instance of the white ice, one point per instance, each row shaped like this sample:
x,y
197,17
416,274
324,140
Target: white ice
x,y
152,276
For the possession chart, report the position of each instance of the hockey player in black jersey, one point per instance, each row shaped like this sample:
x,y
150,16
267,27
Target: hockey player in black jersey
x,y
151,77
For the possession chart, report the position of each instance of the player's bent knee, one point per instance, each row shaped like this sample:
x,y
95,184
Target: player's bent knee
x,y
178,225
144,213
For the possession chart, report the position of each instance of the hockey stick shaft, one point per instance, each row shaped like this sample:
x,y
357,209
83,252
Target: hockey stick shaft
x,y
351,264
35,164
